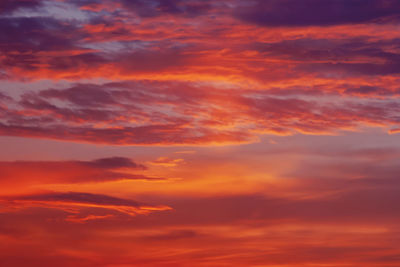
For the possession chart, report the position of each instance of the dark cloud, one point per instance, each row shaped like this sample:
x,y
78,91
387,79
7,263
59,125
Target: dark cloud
x,y
80,198
48,172
115,163
34,43
82,94
172,134
9,6
76,63
294,13
155,8
35,34
4,97
355,69
45,44
340,56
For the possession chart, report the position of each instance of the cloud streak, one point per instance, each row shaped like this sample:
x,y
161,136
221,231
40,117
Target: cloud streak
x,y
70,172
76,202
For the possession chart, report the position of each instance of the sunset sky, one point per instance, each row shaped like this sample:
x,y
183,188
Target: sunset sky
x,y
200,133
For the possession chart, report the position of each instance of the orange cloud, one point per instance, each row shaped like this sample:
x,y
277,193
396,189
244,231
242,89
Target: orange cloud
x,y
22,175
166,162
394,131
75,203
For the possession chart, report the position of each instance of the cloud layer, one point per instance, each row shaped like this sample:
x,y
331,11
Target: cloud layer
x,y
199,133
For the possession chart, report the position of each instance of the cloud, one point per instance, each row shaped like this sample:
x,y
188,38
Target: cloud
x,y
76,203
177,113
88,95
200,73
155,8
166,162
141,135
9,6
293,214
204,227
25,173
115,163
289,13
21,35
347,57
44,45
394,131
